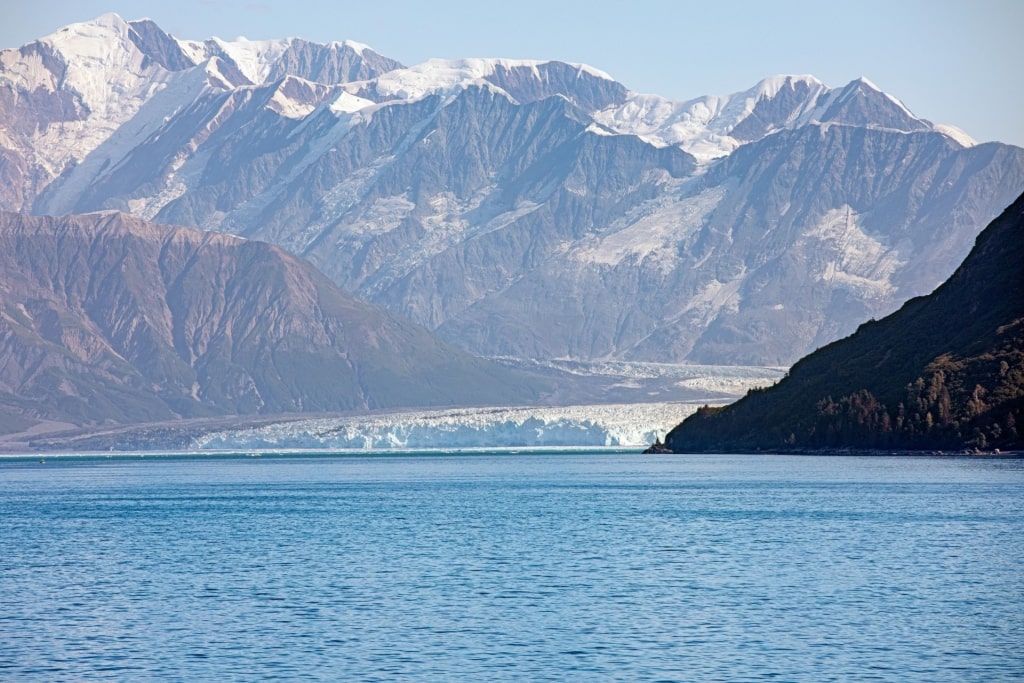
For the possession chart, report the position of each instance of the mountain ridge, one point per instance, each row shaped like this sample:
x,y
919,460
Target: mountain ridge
x,y
531,208
107,319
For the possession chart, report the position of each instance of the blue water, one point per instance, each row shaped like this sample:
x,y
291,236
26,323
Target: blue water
x,y
540,567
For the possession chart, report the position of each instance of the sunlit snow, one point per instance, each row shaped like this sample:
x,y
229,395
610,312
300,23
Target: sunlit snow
x,y
850,258
112,77
254,58
700,126
955,133
446,75
347,103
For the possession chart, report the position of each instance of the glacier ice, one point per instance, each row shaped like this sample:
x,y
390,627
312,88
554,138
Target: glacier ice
x,y
617,425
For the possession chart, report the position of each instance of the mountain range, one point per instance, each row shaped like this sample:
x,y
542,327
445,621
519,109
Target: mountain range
x,y
946,371
529,209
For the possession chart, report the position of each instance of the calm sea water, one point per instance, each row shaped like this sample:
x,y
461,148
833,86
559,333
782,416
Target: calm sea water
x,y
559,567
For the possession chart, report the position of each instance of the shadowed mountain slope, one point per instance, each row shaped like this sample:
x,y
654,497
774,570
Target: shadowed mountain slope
x,y
946,371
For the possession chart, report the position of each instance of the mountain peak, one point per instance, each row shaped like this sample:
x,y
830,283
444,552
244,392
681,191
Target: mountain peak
x,y
263,61
99,63
865,82
774,103
771,86
862,103
861,87
358,48
712,126
92,38
441,75
110,20
254,58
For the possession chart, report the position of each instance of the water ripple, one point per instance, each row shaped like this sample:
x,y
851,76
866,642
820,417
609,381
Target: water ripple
x,y
601,567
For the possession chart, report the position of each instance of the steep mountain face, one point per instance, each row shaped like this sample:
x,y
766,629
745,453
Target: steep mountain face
x,y
827,225
104,317
521,208
107,83
945,371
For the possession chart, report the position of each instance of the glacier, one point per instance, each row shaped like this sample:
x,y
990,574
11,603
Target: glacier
x,y
596,426
622,423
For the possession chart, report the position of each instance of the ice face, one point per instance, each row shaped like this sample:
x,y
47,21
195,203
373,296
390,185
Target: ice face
x,y
622,425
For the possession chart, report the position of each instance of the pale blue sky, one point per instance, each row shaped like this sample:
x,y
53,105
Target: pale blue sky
x,y
958,62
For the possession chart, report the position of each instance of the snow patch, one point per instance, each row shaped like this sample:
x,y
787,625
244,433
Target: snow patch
x,y
103,65
955,133
598,129
432,77
347,103
289,107
214,75
358,48
852,259
656,228
121,142
443,228
446,75
194,50
383,216
254,58
714,298
700,126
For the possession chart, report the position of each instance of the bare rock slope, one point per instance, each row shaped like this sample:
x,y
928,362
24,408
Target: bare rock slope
x,y
105,318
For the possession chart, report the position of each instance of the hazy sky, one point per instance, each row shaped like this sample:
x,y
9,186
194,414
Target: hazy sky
x,y
958,62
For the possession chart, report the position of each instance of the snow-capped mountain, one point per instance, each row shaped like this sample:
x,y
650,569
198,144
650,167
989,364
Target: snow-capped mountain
x,y
109,82
712,127
520,208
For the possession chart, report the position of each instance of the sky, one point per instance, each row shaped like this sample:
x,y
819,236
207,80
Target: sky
x,y
955,62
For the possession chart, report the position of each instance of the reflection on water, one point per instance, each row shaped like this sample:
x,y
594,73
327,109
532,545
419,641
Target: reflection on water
x,y
529,567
